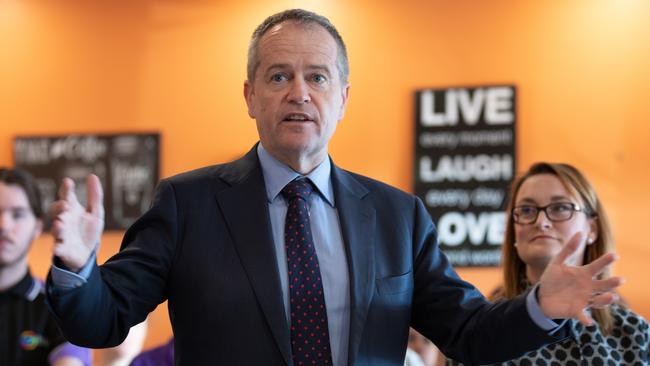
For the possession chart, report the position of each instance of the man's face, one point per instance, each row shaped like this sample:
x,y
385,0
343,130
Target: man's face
x,y
297,96
18,225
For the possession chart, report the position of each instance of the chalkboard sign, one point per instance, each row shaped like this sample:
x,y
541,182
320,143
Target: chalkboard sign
x,y
126,164
464,163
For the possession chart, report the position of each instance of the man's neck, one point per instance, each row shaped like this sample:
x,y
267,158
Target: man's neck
x,y
12,274
301,164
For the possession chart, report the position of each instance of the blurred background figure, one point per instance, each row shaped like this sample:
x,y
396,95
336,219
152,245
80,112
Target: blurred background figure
x,y
550,204
159,356
28,334
123,354
422,351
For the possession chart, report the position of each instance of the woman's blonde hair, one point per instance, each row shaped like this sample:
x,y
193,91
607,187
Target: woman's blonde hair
x,y
514,269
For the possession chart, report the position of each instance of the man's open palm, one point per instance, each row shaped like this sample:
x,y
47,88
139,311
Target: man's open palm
x,y
566,291
77,229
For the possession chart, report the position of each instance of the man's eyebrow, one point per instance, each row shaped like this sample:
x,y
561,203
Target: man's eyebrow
x,y
319,67
277,66
16,209
323,68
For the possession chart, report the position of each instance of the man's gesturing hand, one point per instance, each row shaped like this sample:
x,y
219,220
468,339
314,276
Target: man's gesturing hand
x,y
566,291
76,229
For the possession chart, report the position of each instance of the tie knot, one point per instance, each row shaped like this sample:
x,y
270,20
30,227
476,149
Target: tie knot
x,y
300,188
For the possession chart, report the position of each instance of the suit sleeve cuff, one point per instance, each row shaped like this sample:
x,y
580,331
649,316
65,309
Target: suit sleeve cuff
x,y
538,317
62,279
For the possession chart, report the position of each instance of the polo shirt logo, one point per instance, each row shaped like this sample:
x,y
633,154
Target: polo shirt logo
x,y
30,340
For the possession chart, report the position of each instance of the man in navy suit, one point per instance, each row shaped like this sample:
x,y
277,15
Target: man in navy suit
x,y
213,244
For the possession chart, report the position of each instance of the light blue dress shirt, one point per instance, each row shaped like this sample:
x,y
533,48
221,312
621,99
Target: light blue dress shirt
x,y
328,241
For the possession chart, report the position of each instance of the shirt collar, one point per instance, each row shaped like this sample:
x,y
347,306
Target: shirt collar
x,y
277,175
27,288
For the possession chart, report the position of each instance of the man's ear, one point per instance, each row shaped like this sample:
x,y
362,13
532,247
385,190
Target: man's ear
x,y
345,93
249,95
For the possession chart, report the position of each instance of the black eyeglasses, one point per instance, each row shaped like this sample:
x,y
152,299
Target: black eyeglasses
x,y
556,212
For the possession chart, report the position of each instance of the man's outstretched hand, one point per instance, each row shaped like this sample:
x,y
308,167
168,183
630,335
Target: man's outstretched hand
x,y
566,291
77,229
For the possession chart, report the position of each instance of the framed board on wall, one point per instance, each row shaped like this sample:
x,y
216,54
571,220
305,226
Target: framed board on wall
x,y
127,164
465,160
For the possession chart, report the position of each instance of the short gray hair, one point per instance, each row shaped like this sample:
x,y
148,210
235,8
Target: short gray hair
x,y
302,17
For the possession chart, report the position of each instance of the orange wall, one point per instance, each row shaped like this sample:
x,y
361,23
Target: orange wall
x,y
178,67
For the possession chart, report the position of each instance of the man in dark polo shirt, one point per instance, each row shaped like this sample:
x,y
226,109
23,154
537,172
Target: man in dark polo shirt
x,y
28,334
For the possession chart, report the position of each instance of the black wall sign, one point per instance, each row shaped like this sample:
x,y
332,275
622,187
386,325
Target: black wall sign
x,y
126,164
464,163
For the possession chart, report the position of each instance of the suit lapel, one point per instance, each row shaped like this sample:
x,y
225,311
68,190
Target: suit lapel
x,y
357,219
245,209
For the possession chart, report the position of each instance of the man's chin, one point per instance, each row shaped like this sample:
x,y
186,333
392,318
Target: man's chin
x,y
298,147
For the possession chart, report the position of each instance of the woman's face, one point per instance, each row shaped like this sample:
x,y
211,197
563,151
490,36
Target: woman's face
x,y
539,241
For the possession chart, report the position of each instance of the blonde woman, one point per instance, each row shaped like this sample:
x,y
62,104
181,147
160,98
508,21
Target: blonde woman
x,y
550,204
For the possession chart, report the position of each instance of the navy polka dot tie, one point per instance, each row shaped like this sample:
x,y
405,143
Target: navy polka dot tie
x,y
310,343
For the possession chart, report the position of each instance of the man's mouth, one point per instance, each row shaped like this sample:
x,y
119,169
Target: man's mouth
x,y
298,117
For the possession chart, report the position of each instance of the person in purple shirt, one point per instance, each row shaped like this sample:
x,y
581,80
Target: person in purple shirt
x,y
159,356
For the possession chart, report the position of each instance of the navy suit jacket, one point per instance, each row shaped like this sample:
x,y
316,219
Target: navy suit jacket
x,y
206,246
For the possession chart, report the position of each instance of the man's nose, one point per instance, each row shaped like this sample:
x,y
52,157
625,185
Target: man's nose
x,y
299,92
